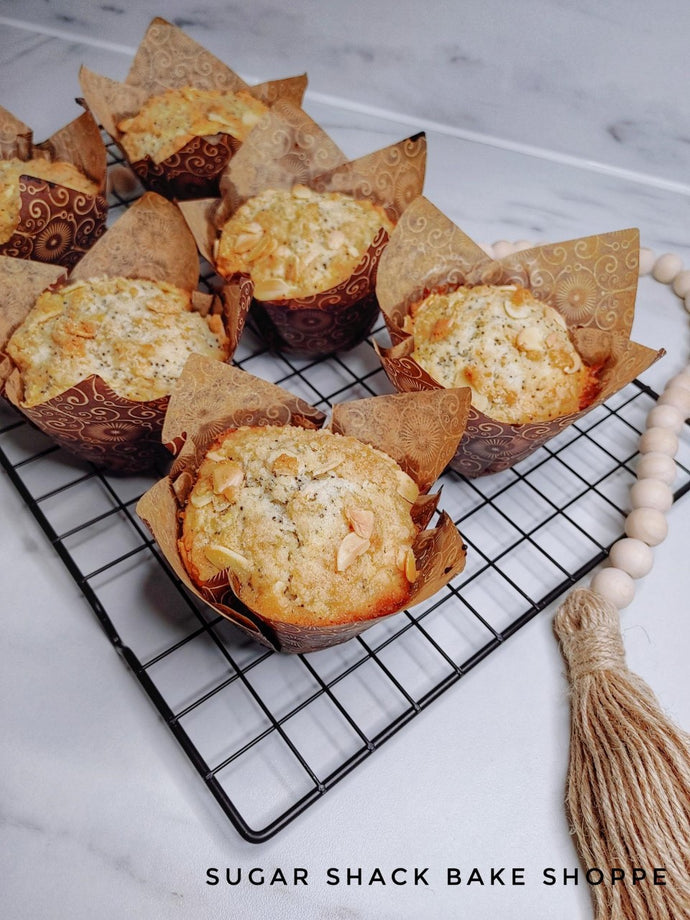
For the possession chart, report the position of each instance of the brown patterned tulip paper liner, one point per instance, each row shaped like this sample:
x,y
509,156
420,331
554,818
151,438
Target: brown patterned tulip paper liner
x,y
167,58
151,241
56,224
288,148
591,281
210,398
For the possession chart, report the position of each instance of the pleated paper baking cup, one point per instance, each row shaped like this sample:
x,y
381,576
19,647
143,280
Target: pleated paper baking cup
x,y
48,221
150,241
168,59
591,282
420,431
287,149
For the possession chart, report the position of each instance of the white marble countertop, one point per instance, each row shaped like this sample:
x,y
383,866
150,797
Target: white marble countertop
x,y
545,121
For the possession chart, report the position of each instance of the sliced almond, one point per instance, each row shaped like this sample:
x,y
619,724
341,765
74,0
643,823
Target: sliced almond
x,y
516,310
262,248
291,268
164,306
361,520
285,465
223,558
219,118
410,566
200,499
327,467
271,289
250,118
300,191
529,340
226,476
563,357
574,366
350,548
82,328
49,313
336,239
440,329
407,487
246,240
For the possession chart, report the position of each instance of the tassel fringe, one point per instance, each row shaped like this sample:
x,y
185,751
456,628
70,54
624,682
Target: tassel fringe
x,y
628,784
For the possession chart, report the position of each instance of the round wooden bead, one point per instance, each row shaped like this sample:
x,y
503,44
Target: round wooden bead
x,y
678,397
648,525
502,248
665,417
656,466
647,259
659,440
615,585
667,267
632,556
680,380
681,283
651,493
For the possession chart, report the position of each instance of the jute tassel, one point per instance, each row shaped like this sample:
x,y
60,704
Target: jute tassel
x,y
628,786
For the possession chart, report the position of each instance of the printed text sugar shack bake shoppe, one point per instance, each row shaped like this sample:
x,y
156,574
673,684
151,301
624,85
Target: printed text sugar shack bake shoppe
x,y
451,876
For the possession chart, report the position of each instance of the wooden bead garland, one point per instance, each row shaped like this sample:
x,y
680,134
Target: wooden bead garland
x,y
651,494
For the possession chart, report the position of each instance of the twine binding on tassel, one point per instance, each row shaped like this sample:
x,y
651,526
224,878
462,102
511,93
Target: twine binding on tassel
x,y
628,784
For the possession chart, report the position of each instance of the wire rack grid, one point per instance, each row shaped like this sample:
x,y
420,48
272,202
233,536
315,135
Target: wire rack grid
x,y
270,734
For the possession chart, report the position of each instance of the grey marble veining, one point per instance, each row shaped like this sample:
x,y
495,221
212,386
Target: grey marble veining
x,y
600,82
101,813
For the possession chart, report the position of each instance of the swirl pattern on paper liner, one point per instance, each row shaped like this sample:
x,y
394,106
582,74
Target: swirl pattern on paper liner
x,y
167,56
194,171
591,281
392,176
333,320
420,431
94,423
56,224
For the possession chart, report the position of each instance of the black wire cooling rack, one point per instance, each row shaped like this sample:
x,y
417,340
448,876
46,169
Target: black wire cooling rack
x,y
268,733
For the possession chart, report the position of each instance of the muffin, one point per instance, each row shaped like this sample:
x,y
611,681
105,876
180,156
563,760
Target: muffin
x,y
169,121
94,366
512,349
541,335
56,172
303,537
134,333
314,281
298,242
313,528
53,204
181,114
